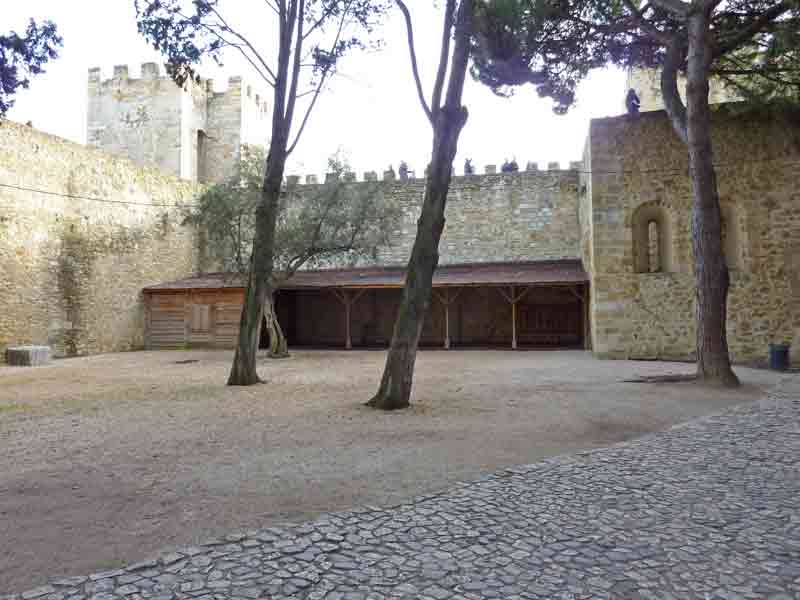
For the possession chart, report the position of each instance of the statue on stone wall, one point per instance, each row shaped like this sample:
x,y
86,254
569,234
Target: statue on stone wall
x,y
509,166
468,168
632,102
403,170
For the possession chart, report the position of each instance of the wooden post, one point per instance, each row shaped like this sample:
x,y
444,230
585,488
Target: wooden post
x,y
446,300
348,341
587,327
187,318
513,320
348,301
447,325
583,298
147,320
512,299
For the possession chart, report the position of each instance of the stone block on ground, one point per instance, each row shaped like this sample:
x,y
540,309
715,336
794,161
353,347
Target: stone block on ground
x,y
28,356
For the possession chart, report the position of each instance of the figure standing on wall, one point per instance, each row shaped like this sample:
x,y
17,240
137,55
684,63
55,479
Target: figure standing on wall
x,y
468,168
632,102
509,166
403,170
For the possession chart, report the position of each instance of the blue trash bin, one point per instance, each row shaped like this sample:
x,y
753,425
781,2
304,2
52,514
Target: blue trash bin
x,y
779,357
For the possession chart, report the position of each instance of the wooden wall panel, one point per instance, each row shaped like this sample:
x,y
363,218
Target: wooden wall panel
x,y
479,317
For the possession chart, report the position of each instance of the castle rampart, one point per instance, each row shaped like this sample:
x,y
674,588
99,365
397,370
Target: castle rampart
x,y
193,132
647,84
81,233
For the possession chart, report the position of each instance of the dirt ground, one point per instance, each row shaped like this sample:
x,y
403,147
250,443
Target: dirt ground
x,y
108,459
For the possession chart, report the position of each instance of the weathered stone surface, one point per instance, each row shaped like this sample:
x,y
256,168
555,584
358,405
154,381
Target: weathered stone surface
x,y
705,510
28,356
647,83
640,161
72,268
192,132
77,266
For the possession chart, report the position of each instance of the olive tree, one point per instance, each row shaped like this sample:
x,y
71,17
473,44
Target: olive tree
x,y
331,224
296,50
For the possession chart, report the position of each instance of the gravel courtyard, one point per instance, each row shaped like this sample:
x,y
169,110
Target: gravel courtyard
x,y
108,459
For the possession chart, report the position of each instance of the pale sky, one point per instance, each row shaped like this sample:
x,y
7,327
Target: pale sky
x,y
370,110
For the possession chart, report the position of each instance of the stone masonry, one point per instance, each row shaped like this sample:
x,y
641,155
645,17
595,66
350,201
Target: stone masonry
x,y
73,259
647,84
195,133
706,510
638,162
502,217
631,167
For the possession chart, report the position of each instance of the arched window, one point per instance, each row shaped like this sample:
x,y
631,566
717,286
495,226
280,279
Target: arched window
x,y
731,246
652,239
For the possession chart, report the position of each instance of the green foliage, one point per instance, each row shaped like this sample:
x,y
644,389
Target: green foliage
x,y
767,66
188,33
555,43
537,42
23,56
318,226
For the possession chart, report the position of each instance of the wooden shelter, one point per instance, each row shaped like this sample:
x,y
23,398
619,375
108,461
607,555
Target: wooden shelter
x,y
513,305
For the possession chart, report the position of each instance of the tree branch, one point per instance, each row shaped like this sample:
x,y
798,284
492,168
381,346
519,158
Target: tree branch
x,y
458,71
318,90
284,53
444,57
673,59
741,36
414,68
676,7
318,23
648,28
306,116
272,6
298,15
246,42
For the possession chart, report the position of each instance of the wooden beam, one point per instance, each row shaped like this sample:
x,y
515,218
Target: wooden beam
x,y
580,296
348,301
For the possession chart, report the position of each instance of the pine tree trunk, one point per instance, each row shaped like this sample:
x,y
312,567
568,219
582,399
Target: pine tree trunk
x,y
395,389
278,347
448,121
711,270
243,371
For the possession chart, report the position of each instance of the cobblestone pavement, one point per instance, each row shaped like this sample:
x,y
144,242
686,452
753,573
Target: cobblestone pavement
x,y
704,510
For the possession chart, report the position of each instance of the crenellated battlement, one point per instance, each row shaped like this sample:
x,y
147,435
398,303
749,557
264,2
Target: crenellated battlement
x,y
151,71
195,131
490,171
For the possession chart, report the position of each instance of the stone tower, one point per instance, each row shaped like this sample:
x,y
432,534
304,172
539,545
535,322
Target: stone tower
x,y
194,133
647,84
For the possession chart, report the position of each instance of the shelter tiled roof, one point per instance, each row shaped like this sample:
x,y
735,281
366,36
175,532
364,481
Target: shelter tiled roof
x,y
507,273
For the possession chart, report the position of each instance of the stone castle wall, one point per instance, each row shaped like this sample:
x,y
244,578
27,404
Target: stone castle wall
x,y
640,161
647,83
194,133
528,215
71,269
